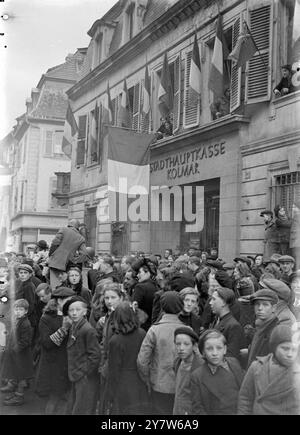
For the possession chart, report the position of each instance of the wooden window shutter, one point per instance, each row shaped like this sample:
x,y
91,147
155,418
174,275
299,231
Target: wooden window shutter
x,y
258,72
191,110
81,142
136,107
236,73
177,93
49,143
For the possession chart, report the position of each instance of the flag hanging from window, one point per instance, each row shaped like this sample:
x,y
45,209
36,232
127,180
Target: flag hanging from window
x,y
165,90
128,167
146,94
94,133
195,70
217,75
70,129
107,113
244,49
125,118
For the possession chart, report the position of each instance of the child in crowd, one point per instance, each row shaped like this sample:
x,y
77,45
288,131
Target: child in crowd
x,y
188,315
18,362
216,383
188,360
271,385
83,358
25,289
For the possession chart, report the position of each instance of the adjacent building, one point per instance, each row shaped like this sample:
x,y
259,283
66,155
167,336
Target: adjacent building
x,y
243,161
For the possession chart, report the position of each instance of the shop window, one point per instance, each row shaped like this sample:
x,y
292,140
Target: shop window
x,y
259,67
286,190
81,141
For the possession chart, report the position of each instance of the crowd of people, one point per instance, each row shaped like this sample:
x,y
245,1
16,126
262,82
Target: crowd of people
x,y
179,333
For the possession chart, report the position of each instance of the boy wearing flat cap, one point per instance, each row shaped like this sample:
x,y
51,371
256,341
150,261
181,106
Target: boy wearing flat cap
x,y
26,290
271,385
264,302
188,360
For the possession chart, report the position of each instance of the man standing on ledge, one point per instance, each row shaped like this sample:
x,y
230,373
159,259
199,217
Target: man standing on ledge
x,y
68,246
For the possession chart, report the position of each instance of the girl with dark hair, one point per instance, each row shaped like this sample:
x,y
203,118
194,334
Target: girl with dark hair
x,y
75,282
126,391
258,268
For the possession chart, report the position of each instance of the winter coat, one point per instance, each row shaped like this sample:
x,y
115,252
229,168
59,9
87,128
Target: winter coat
x,y
124,386
216,394
156,356
284,314
143,294
26,290
83,351
284,228
270,389
234,334
271,233
52,370
191,319
63,249
183,393
17,359
261,339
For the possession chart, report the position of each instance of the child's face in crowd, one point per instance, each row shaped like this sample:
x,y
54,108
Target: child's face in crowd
x,y
111,299
216,303
263,309
74,277
184,346
76,311
190,303
19,312
24,275
62,276
258,260
44,297
143,275
214,351
286,353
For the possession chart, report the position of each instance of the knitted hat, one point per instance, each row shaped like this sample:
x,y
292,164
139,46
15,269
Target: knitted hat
x,y
70,302
171,302
25,267
226,294
280,288
187,330
264,295
223,279
62,292
280,334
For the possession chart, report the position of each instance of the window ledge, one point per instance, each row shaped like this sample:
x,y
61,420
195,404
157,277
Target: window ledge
x,y
286,99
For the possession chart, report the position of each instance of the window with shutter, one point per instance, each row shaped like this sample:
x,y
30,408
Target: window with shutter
x,y
191,108
177,93
53,188
136,107
236,73
81,142
49,143
258,72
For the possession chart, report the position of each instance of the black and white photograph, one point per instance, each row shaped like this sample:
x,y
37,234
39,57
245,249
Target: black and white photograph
x,y
149,210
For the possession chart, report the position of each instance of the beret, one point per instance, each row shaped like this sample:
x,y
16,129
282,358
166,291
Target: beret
x,y
226,294
280,288
187,330
25,267
286,258
243,259
42,244
264,295
62,292
70,302
280,334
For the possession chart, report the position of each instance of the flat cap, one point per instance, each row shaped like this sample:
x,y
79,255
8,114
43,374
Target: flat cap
x,y
187,330
266,212
62,292
226,294
286,259
264,295
280,288
269,261
25,267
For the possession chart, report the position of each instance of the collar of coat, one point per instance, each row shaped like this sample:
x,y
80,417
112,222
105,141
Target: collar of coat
x,y
169,318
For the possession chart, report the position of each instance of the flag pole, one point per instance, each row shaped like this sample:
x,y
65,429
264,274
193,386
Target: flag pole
x,y
261,57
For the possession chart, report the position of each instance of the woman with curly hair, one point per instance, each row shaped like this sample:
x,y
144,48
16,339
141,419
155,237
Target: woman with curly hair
x,y
126,392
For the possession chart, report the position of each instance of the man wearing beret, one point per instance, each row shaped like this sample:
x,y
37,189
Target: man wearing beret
x,y
287,264
221,300
68,246
271,239
264,302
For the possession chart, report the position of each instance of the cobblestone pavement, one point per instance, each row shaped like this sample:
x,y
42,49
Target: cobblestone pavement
x,y
33,405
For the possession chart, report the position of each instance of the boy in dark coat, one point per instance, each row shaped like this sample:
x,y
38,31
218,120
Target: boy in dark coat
x,y
83,358
25,289
18,362
216,383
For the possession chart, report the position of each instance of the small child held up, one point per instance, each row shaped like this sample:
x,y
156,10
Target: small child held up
x,y
271,384
83,359
216,384
18,361
188,360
